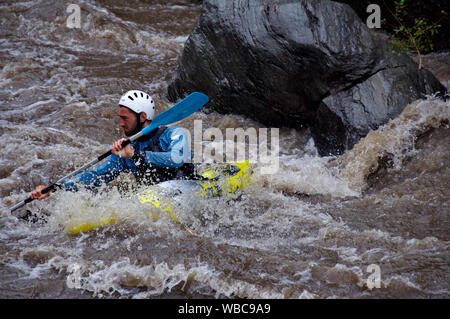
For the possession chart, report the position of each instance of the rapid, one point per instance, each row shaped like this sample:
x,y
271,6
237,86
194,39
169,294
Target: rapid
x,y
309,231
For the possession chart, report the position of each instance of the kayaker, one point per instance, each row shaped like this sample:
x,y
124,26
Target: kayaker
x,y
158,156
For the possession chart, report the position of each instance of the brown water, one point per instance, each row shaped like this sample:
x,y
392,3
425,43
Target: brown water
x,y
310,231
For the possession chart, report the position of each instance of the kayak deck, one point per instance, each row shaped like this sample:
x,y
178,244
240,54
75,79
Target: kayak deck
x,y
215,181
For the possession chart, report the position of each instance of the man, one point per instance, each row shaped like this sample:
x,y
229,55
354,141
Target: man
x,y
159,156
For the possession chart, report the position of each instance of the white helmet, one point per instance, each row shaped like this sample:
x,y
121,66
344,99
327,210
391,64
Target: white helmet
x,y
138,102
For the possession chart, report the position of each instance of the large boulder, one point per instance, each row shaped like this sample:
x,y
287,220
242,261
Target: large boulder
x,y
295,64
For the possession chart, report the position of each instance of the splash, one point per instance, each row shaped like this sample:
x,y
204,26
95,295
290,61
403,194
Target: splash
x,y
157,279
393,141
309,175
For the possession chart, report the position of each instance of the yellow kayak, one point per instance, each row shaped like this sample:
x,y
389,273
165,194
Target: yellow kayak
x,y
215,181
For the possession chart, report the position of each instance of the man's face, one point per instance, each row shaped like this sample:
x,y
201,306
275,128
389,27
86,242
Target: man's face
x,y
127,120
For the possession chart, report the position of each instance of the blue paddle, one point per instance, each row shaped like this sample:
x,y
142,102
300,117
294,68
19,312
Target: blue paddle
x,y
189,105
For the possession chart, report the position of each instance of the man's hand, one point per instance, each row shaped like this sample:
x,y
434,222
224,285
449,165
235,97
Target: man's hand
x,y
37,193
117,149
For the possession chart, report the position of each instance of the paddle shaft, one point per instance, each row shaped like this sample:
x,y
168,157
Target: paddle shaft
x,y
75,172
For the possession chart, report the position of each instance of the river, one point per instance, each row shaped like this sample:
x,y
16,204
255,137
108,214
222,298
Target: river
x,y
372,223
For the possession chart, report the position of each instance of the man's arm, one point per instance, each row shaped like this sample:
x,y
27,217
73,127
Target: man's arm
x,y
103,173
176,148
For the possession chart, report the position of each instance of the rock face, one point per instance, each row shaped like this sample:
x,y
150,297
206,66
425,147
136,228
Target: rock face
x,y
298,63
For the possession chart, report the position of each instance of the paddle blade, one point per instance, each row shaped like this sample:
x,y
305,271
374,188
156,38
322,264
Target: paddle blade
x,y
189,105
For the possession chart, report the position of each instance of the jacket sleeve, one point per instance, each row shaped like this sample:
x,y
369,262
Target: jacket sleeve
x,y
103,173
176,148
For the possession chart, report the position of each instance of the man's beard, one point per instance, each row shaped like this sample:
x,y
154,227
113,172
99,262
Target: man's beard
x,y
137,128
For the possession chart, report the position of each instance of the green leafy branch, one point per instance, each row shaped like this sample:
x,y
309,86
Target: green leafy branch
x,y
415,37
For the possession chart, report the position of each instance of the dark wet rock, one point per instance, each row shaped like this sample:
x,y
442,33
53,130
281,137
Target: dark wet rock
x,y
298,63
368,105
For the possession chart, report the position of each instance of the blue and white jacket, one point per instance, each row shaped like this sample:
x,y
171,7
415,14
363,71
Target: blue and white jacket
x,y
158,156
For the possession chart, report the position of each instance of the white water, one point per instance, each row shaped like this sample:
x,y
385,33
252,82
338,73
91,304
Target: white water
x,y
310,231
